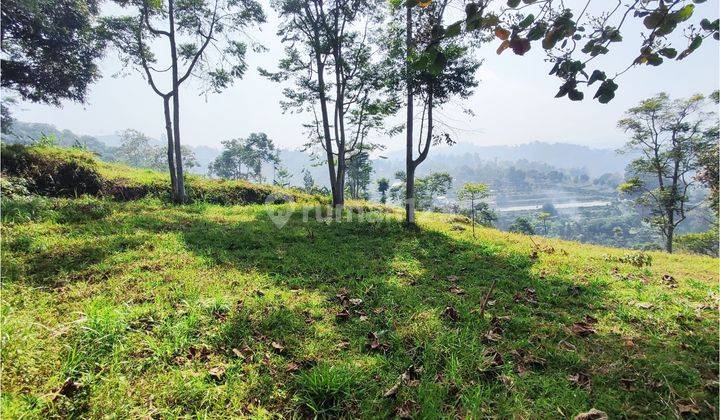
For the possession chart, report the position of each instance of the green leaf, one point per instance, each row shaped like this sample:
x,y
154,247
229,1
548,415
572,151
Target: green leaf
x,y
606,91
595,76
653,20
576,95
668,53
513,3
694,45
453,30
654,60
537,31
685,13
529,19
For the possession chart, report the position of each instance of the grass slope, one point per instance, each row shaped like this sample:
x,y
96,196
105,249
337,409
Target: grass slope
x,y
63,172
140,309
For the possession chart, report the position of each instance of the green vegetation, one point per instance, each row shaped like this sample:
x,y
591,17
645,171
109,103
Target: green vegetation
x,y
60,172
139,308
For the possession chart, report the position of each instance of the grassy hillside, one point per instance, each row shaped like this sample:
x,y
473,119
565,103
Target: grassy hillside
x,y
141,309
61,172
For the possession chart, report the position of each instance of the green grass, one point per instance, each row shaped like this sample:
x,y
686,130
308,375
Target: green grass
x,y
148,310
62,172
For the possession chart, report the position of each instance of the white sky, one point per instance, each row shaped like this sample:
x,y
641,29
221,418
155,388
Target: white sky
x,y
514,103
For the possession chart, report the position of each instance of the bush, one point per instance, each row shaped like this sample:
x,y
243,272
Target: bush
x,y
705,243
14,187
52,171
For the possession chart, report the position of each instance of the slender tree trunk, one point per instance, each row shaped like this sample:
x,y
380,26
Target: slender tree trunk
x,y
180,196
326,127
670,231
171,148
409,165
341,172
340,122
669,239
472,213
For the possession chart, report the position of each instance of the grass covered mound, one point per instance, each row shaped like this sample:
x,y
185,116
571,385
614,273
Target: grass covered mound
x,y
62,172
139,309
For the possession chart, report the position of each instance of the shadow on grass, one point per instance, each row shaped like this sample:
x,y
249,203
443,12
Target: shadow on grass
x,y
411,277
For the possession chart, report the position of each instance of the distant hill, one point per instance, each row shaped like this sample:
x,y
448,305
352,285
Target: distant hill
x,y
594,162
459,160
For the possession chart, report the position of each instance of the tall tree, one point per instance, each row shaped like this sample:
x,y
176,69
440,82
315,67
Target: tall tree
x,y
329,57
192,29
282,176
49,50
358,176
473,192
668,134
138,150
427,189
708,151
433,70
243,158
383,185
572,38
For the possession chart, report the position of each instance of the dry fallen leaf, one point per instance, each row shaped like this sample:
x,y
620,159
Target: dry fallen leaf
x,y
494,357
343,315
67,389
593,414
374,342
583,329
686,407
567,346
492,337
527,295
277,346
292,367
355,302
457,290
451,314
580,379
669,280
393,390
217,373
406,409
627,384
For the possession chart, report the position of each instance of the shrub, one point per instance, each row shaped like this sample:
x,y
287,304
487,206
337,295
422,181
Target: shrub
x,y
14,187
704,243
638,259
52,171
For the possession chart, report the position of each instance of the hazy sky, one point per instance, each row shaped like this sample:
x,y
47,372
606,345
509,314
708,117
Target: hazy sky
x,y
513,104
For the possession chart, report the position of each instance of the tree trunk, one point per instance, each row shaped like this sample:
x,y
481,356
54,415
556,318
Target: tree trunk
x,y
171,148
326,127
410,194
180,193
669,239
472,213
341,171
409,165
